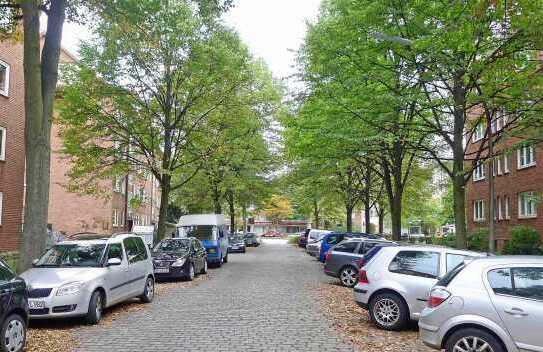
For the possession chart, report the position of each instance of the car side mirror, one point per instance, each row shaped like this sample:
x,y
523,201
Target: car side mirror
x,y
114,261
35,262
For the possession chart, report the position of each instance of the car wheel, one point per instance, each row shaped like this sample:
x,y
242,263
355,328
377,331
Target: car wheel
x,y
149,291
204,269
13,333
226,258
348,276
96,305
473,339
191,274
388,311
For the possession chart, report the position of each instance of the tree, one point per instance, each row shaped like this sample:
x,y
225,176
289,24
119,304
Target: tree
x,y
145,91
277,208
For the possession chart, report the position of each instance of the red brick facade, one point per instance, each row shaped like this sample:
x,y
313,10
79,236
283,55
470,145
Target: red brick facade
x,y
511,184
13,166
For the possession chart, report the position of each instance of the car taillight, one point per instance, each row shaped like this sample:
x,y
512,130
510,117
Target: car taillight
x,y
328,255
437,297
363,277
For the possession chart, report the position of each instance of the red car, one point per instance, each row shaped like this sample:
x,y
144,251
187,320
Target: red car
x,y
272,234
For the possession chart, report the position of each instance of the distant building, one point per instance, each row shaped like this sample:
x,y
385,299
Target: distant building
x,y
260,225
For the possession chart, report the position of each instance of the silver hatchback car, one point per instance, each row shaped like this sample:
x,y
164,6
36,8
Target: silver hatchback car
x,y
81,278
395,284
488,305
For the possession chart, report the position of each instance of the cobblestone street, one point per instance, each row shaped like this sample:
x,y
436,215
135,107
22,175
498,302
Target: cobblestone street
x,y
264,300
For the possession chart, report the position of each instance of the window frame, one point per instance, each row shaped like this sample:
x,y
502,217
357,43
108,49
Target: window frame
x,y
423,275
354,251
482,210
533,205
511,270
115,222
479,171
522,154
479,132
4,91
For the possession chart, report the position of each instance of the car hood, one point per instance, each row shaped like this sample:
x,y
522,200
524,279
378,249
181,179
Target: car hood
x,y
169,255
55,277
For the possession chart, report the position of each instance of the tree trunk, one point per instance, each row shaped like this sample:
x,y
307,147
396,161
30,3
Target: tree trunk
x,y
381,222
367,201
244,216
217,207
232,211
349,210
396,217
163,212
41,75
316,213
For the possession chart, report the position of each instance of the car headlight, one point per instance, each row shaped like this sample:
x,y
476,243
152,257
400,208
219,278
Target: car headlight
x,y
73,288
179,262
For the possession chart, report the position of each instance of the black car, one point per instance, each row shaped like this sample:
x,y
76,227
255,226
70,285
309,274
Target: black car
x,y
302,241
236,244
13,310
251,240
179,258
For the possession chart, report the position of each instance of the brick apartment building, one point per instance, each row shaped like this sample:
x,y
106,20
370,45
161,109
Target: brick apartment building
x,y
12,157
518,179
68,212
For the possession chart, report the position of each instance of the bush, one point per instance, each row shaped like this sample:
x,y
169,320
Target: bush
x,y
524,240
449,241
293,239
478,240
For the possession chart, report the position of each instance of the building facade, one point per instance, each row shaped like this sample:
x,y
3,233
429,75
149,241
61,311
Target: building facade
x,y
12,156
518,178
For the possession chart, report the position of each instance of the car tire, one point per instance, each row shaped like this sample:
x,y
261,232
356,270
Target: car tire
x,y
388,311
13,334
226,258
348,276
471,335
191,274
204,268
96,306
149,291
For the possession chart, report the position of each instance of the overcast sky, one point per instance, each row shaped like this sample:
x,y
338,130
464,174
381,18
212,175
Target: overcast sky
x,y
270,27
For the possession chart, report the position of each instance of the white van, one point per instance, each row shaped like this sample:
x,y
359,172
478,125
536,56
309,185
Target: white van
x,y
314,238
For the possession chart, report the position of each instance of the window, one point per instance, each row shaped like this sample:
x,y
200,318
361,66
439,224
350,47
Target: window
x,y
416,263
334,239
115,250
347,247
2,143
4,78
506,214
528,282
479,210
500,120
119,185
479,171
497,167
366,246
480,131
115,218
500,281
526,157
454,260
527,207
500,207
135,249
505,163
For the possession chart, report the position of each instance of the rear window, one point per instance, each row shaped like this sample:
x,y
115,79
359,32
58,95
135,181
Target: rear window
x,y
416,263
346,247
371,253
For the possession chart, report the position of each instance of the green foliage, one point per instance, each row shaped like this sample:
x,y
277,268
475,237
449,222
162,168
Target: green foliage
x,y
478,240
293,239
449,241
524,240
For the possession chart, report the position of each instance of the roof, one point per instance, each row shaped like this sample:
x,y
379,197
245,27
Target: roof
x,y
202,219
510,259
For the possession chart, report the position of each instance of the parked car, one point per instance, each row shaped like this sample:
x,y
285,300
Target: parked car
x,y
236,243
493,304
81,278
314,241
331,239
302,241
210,229
395,285
251,240
176,258
13,310
272,234
342,260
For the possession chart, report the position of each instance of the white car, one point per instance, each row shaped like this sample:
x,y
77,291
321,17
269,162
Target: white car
x,y
314,238
82,277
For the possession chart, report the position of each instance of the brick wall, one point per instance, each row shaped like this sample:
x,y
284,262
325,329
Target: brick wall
x,y
12,168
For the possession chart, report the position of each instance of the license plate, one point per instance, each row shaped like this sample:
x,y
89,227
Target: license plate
x,y
33,304
235,247
162,270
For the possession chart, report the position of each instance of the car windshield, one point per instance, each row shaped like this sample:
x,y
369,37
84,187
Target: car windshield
x,y
201,232
173,245
80,255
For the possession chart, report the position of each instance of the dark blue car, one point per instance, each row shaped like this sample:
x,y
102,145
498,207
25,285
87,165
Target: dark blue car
x,y
333,238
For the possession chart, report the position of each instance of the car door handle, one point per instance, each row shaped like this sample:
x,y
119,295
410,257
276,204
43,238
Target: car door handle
x,y
516,311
